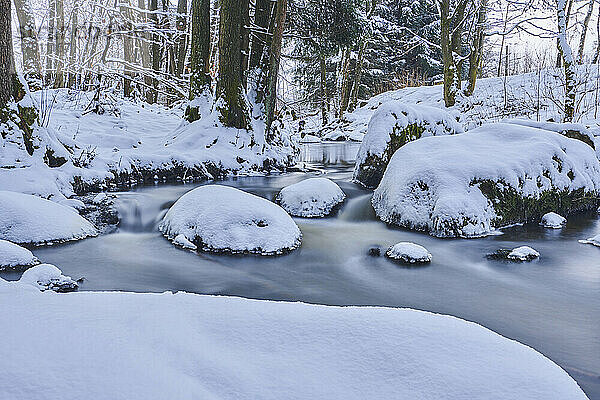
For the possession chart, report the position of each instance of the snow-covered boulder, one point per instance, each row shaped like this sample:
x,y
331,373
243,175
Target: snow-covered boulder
x,y
312,197
14,256
30,219
217,347
499,174
595,240
392,126
523,253
48,277
553,220
409,253
569,129
224,219
100,198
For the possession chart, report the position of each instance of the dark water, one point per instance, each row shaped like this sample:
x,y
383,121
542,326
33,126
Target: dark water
x,y
552,304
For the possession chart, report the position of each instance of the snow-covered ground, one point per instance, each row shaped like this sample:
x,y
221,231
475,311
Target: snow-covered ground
x,y
101,345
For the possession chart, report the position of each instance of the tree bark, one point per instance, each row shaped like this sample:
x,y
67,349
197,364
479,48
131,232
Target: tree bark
x,y
182,42
231,103
200,80
245,38
477,48
73,46
60,44
260,41
7,62
152,94
447,56
323,89
29,44
127,47
586,23
274,59
50,41
568,63
345,76
362,48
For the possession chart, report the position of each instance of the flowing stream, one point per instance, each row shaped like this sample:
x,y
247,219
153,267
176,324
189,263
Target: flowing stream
x,y
551,304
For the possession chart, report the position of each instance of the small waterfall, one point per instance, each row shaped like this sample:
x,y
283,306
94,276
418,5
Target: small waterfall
x,y
358,209
139,212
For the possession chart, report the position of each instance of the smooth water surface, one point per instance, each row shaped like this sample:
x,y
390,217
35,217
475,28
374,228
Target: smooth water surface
x,y
551,304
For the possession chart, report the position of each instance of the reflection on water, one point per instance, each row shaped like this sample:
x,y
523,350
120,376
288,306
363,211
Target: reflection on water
x,y
552,304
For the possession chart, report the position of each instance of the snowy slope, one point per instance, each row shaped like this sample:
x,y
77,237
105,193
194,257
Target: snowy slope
x,y
181,346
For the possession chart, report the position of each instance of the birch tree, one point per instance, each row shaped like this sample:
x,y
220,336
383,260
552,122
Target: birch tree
x,y
568,61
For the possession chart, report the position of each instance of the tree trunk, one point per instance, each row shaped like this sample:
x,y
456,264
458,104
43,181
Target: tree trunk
x,y
144,43
586,23
568,15
477,48
274,59
447,56
597,53
260,41
345,76
60,44
73,46
181,42
362,47
323,89
200,55
231,102
29,44
127,47
152,95
568,63
50,41
7,62
245,38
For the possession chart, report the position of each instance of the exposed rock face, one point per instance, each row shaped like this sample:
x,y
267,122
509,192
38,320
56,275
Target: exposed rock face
x,y
392,126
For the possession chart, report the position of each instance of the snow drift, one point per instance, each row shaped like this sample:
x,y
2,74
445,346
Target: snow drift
x,y
30,219
96,345
224,219
312,197
466,185
392,126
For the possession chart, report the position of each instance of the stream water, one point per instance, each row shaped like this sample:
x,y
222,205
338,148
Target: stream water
x,y
551,304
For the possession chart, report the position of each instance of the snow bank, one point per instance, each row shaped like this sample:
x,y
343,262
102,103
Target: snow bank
x,y
409,253
393,125
523,253
553,220
48,277
312,197
13,255
221,218
593,240
466,185
64,346
29,219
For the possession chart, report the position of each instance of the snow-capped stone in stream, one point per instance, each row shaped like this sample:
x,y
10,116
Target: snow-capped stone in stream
x,y
30,219
553,220
595,240
100,198
523,253
14,256
312,197
392,126
467,185
233,348
409,253
225,219
48,277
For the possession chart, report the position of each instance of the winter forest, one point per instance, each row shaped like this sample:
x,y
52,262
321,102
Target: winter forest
x,y
300,199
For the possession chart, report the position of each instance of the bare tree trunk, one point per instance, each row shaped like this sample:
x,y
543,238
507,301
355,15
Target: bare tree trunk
x,y
152,94
274,59
262,14
245,38
50,41
362,47
477,47
144,42
586,23
231,102
127,47
7,61
345,77
181,42
502,41
568,63
60,43
200,80
323,89
29,44
597,54
73,46
447,56
568,15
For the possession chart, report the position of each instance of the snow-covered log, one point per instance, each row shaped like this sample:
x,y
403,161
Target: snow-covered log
x,y
499,174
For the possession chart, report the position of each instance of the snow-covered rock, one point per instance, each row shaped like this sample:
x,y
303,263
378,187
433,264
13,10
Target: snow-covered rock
x,y
571,130
409,253
183,242
392,126
224,219
467,185
100,198
29,219
13,256
523,253
215,347
553,220
595,240
312,197
48,277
